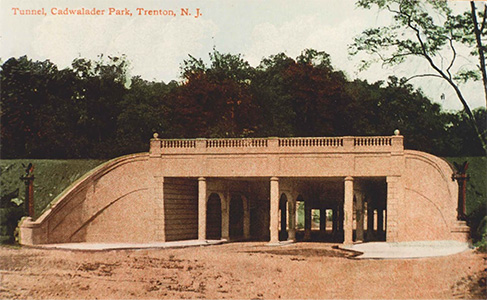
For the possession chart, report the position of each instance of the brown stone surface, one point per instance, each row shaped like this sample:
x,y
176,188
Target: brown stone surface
x,y
238,270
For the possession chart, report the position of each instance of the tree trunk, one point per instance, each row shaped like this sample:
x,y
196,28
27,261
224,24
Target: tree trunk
x,y
480,48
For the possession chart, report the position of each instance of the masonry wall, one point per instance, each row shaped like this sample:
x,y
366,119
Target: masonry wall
x,y
113,203
428,211
181,208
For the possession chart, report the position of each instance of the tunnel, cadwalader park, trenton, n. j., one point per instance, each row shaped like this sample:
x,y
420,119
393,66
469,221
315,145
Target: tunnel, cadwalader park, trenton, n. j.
x,y
344,189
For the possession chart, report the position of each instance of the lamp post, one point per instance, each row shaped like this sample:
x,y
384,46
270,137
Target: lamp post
x,y
28,179
461,177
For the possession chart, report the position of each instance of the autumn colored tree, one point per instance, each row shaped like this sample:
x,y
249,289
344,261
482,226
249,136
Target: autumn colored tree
x,y
214,100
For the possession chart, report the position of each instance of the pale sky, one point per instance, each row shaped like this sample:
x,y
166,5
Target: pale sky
x,y
157,45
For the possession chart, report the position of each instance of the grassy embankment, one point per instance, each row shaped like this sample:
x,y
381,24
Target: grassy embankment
x,y
52,176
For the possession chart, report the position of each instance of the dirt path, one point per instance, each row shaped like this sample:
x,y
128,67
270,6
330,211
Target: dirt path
x,y
239,270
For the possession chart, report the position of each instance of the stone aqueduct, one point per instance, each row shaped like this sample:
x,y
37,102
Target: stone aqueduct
x,y
366,188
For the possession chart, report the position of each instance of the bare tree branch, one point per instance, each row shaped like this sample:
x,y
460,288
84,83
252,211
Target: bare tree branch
x,y
451,82
423,75
453,58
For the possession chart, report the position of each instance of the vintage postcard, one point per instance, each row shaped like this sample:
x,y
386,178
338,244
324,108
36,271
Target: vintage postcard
x,y
243,149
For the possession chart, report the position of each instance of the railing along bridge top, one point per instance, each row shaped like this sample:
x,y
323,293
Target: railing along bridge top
x,y
345,143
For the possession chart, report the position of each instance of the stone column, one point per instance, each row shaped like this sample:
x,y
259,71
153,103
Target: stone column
x,y
380,220
274,210
225,200
348,211
360,217
246,218
292,219
201,209
370,219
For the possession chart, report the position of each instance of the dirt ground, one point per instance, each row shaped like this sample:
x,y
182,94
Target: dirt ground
x,y
236,270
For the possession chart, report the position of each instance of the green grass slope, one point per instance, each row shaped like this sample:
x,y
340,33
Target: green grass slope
x,y
51,178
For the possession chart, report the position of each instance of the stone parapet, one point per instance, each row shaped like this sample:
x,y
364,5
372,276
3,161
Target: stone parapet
x,y
391,144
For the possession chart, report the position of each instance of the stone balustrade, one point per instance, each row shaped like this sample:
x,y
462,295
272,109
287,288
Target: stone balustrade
x,y
393,144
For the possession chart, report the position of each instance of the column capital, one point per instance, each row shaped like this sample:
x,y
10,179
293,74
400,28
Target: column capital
x,y
274,178
201,179
348,178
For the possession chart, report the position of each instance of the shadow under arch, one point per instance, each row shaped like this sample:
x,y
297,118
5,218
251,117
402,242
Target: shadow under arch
x,y
236,216
214,217
283,217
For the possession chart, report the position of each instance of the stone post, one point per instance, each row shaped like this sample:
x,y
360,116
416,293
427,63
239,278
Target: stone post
x,y
462,195
397,143
348,143
370,219
155,146
348,211
273,143
28,179
201,208
461,177
274,210
380,220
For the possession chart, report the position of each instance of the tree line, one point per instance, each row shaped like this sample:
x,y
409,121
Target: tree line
x,y
95,109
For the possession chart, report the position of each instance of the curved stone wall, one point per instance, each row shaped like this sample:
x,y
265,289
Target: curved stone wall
x,y
112,203
428,211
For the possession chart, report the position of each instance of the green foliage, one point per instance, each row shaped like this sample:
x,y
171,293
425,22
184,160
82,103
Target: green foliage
x,y
70,113
481,234
95,110
427,29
